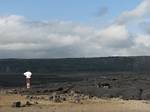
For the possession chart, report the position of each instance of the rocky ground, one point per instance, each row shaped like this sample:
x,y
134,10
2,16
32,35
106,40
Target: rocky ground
x,y
92,92
44,103
133,86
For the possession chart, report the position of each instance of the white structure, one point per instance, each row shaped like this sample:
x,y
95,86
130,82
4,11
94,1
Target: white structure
x,y
28,78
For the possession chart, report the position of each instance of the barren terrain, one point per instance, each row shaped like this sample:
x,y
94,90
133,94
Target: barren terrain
x,y
113,84
93,105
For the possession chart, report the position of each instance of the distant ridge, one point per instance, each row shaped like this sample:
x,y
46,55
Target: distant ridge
x,y
100,64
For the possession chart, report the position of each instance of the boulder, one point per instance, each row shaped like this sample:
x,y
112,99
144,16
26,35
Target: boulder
x,y
28,103
16,104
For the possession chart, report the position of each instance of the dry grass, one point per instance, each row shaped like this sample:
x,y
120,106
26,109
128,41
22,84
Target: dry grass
x,y
95,105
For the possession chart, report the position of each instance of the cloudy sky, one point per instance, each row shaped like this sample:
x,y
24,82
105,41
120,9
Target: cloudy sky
x,y
74,28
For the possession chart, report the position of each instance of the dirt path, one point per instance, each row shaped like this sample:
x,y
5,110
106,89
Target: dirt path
x,y
99,105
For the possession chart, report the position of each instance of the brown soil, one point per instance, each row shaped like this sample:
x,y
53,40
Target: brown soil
x,y
93,105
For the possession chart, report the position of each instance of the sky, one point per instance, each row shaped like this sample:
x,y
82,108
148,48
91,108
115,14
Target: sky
x,y
74,28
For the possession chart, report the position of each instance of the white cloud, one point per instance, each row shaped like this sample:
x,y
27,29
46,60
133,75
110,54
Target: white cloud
x,y
145,26
20,35
23,38
143,40
140,11
66,40
114,35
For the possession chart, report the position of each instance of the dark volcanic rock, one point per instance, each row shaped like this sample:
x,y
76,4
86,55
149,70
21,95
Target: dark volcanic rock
x,y
146,94
125,77
16,104
103,64
130,93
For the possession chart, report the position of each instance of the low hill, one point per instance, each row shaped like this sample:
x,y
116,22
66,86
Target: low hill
x,y
103,64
